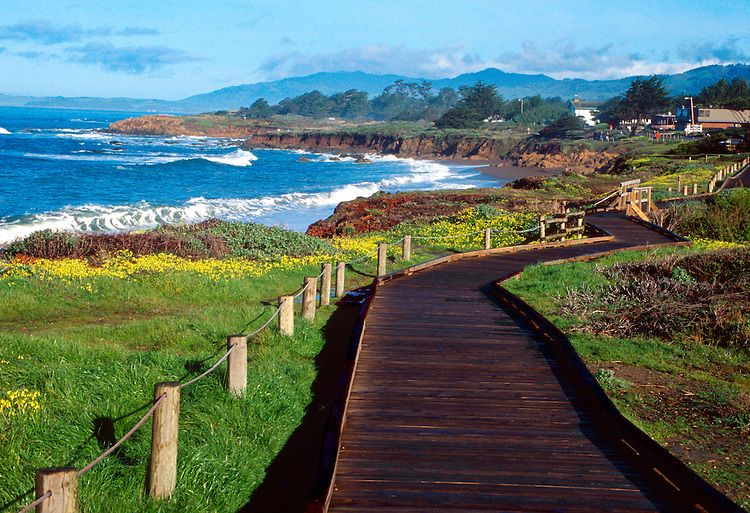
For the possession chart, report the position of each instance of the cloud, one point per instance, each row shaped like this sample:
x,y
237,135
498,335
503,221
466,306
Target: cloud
x,y
31,55
134,60
138,31
566,60
726,52
47,34
559,59
378,59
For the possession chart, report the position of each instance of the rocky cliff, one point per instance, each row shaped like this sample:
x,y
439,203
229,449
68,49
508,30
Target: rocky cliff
x,y
425,146
422,146
553,155
205,126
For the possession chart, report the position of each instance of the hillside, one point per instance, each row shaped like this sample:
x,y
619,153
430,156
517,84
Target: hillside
x,y
510,85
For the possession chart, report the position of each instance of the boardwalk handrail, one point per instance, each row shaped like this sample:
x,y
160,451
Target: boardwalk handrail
x,y
629,194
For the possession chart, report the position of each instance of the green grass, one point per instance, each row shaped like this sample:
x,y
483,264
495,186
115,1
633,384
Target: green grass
x,y
94,356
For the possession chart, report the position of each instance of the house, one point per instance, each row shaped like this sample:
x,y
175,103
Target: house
x,y
585,110
713,117
664,122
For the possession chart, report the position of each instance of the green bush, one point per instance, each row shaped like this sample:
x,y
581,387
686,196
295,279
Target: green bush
x,y
725,216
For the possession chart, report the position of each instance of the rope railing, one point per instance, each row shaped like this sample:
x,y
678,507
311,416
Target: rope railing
x,y
37,502
362,258
167,393
447,236
265,325
213,368
121,440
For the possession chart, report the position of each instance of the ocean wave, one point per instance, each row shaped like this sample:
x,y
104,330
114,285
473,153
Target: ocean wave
x,y
239,158
3,131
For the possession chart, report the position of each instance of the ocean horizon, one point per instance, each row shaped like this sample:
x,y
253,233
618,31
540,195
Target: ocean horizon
x,y
60,170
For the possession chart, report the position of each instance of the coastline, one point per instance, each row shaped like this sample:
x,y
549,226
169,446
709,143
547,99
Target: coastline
x,y
503,170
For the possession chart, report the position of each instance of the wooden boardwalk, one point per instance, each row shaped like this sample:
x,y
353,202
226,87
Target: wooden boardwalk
x,y
456,405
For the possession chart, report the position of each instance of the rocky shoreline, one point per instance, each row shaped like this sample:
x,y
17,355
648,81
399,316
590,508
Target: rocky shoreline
x,y
544,155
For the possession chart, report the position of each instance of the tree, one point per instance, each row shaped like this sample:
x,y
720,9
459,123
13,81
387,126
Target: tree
x,y
259,109
482,99
477,103
459,116
612,112
642,99
734,96
562,128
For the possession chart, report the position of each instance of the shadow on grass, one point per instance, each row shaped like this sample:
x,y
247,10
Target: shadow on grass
x,y
290,478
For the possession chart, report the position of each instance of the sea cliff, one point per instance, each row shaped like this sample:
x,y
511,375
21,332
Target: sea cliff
x,y
433,146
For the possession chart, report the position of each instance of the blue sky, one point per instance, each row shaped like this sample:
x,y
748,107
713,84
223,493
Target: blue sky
x,y
173,49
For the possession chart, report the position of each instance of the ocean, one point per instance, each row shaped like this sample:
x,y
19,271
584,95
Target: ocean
x,y
59,170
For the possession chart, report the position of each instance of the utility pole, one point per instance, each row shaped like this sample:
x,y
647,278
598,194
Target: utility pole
x,y
692,115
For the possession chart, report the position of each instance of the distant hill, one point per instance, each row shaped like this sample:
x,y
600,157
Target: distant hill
x,y
510,85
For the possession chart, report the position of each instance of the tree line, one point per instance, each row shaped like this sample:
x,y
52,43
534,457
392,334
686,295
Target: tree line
x,y
472,107
468,107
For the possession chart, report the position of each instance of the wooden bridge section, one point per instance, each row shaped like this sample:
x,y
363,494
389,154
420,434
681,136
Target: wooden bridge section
x,y
456,405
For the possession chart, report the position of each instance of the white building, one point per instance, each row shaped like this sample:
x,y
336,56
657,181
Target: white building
x,y
585,110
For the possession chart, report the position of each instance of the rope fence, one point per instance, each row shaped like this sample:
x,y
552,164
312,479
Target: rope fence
x,y
58,485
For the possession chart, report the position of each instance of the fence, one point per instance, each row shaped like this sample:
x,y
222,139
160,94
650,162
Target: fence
x,y
631,197
56,488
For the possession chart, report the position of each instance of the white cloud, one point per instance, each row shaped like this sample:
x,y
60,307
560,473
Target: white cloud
x,y
560,59
378,59
136,60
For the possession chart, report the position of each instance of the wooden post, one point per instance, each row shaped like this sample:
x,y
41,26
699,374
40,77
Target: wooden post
x,y
237,365
406,248
579,224
487,238
679,183
308,298
325,285
162,471
695,189
685,191
286,315
382,255
63,483
542,229
648,200
711,185
340,272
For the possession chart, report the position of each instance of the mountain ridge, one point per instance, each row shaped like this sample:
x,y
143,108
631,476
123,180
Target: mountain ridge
x,y
509,85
